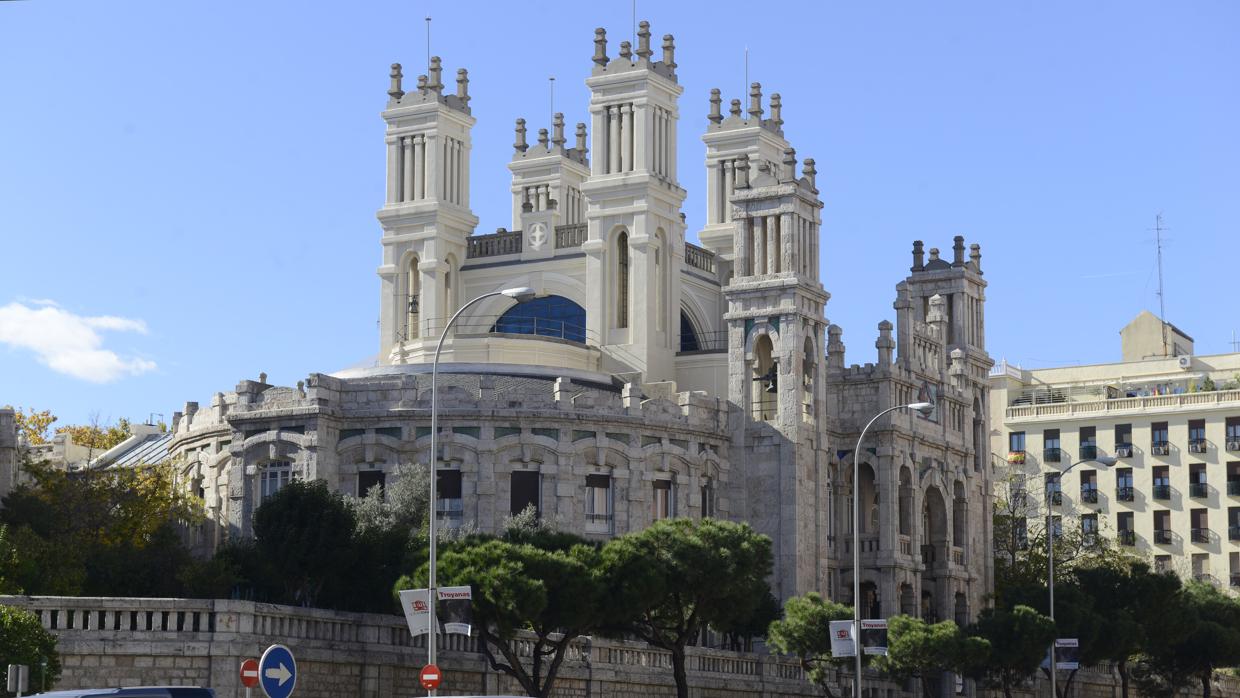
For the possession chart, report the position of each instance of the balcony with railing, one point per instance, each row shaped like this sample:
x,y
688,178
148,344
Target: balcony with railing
x,y
1198,490
1127,537
1162,491
1233,532
699,258
1052,455
1160,448
1089,493
1088,452
703,342
1125,494
1233,443
1016,457
1056,497
1162,536
958,556
498,244
1057,403
598,523
570,235
1197,446
1233,488
1200,535
1123,450
1205,578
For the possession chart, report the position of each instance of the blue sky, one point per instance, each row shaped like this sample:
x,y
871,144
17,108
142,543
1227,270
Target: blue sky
x,y
188,190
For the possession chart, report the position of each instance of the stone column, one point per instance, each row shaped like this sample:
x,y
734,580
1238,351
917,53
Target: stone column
x,y
613,141
729,183
759,245
407,180
419,167
393,171
772,244
627,141
789,243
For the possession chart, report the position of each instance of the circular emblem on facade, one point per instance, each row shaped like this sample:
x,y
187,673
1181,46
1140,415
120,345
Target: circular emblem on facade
x,y
538,236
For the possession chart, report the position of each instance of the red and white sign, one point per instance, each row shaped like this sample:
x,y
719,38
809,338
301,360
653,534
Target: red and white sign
x,y
249,673
430,677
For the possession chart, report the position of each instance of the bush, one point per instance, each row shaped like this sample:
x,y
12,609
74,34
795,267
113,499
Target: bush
x,y
24,641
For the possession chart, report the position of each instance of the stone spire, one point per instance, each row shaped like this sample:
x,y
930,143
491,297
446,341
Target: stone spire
x,y
776,109
716,102
742,172
557,129
434,76
643,41
835,348
395,92
462,86
626,50
810,173
736,107
790,165
919,257
755,100
669,52
600,46
885,344
581,137
422,84
958,251
975,256
520,145
542,137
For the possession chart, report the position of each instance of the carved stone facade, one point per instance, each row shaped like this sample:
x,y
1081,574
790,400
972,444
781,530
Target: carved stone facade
x,y
654,377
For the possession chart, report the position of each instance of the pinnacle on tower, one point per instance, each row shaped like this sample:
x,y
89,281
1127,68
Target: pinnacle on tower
x,y
600,46
736,108
755,100
581,137
520,145
626,50
643,41
434,75
810,173
462,86
557,130
395,92
776,111
716,102
669,52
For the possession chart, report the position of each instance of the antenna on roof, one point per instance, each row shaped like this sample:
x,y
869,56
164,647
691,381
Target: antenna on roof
x,y
1235,345
745,87
551,81
1162,308
428,42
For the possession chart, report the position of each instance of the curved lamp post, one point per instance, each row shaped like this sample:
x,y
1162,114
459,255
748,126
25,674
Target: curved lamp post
x,y
520,295
925,408
1105,461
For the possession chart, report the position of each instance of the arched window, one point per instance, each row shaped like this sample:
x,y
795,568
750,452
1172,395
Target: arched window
x,y
412,299
549,316
688,335
622,279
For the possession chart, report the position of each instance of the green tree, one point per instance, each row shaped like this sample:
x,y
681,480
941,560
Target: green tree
x,y
805,632
24,641
306,532
739,632
555,594
8,563
1212,642
917,649
1019,638
671,580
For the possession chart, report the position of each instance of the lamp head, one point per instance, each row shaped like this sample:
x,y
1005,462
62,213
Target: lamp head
x,y
1107,461
925,408
520,294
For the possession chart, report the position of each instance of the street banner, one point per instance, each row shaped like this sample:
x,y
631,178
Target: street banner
x,y
1067,653
417,610
842,639
874,636
455,609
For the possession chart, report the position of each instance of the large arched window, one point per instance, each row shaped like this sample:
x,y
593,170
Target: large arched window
x,y
549,316
688,335
412,298
622,279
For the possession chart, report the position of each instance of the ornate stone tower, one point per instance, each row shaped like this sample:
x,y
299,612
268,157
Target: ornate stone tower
x,y
547,178
776,341
635,244
426,216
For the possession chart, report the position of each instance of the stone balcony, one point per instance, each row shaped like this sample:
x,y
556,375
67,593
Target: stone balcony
x,y
1058,411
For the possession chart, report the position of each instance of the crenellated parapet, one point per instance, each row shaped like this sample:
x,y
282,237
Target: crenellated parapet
x,y
627,60
430,88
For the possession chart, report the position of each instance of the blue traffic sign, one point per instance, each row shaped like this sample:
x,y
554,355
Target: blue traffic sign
x,y
277,672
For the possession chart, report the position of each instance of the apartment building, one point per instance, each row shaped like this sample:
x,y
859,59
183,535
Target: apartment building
x,y
1172,421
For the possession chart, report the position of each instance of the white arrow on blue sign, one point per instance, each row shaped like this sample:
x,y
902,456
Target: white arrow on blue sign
x,y
277,672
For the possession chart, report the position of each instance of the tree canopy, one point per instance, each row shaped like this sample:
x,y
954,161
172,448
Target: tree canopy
x,y
917,649
24,641
1018,638
805,631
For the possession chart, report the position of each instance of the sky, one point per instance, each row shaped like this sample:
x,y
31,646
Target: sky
x,y
188,190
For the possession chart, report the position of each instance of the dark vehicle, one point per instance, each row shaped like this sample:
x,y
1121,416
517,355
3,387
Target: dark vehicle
x,y
133,691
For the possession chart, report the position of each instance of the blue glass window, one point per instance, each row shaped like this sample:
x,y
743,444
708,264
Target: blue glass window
x,y
549,316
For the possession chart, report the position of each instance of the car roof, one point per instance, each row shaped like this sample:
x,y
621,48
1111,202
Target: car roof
x,y
120,692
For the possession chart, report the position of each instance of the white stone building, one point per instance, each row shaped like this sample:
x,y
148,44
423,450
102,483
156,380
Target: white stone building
x,y
654,377
1173,421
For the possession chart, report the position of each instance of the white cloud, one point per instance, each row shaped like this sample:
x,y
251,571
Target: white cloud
x,y
68,343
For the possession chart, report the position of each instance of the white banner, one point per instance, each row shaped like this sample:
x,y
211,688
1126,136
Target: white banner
x,y
417,610
842,639
874,636
455,609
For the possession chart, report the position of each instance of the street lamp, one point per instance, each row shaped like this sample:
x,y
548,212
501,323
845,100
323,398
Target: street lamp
x,y
925,408
1105,461
520,295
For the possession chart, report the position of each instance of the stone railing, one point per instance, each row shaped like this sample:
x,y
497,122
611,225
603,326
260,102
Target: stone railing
x,y
496,244
1123,404
699,258
571,235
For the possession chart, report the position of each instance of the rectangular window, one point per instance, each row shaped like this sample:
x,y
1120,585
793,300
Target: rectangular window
x,y
1162,527
526,485
1233,523
1201,567
1197,436
1158,439
1125,525
1201,525
708,499
1057,526
368,480
1197,480
1089,525
1050,446
1162,564
1089,486
1089,443
273,477
1053,492
1233,560
1123,440
1233,433
1016,442
1233,478
450,506
1020,531
1162,482
598,503
664,501
1123,485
